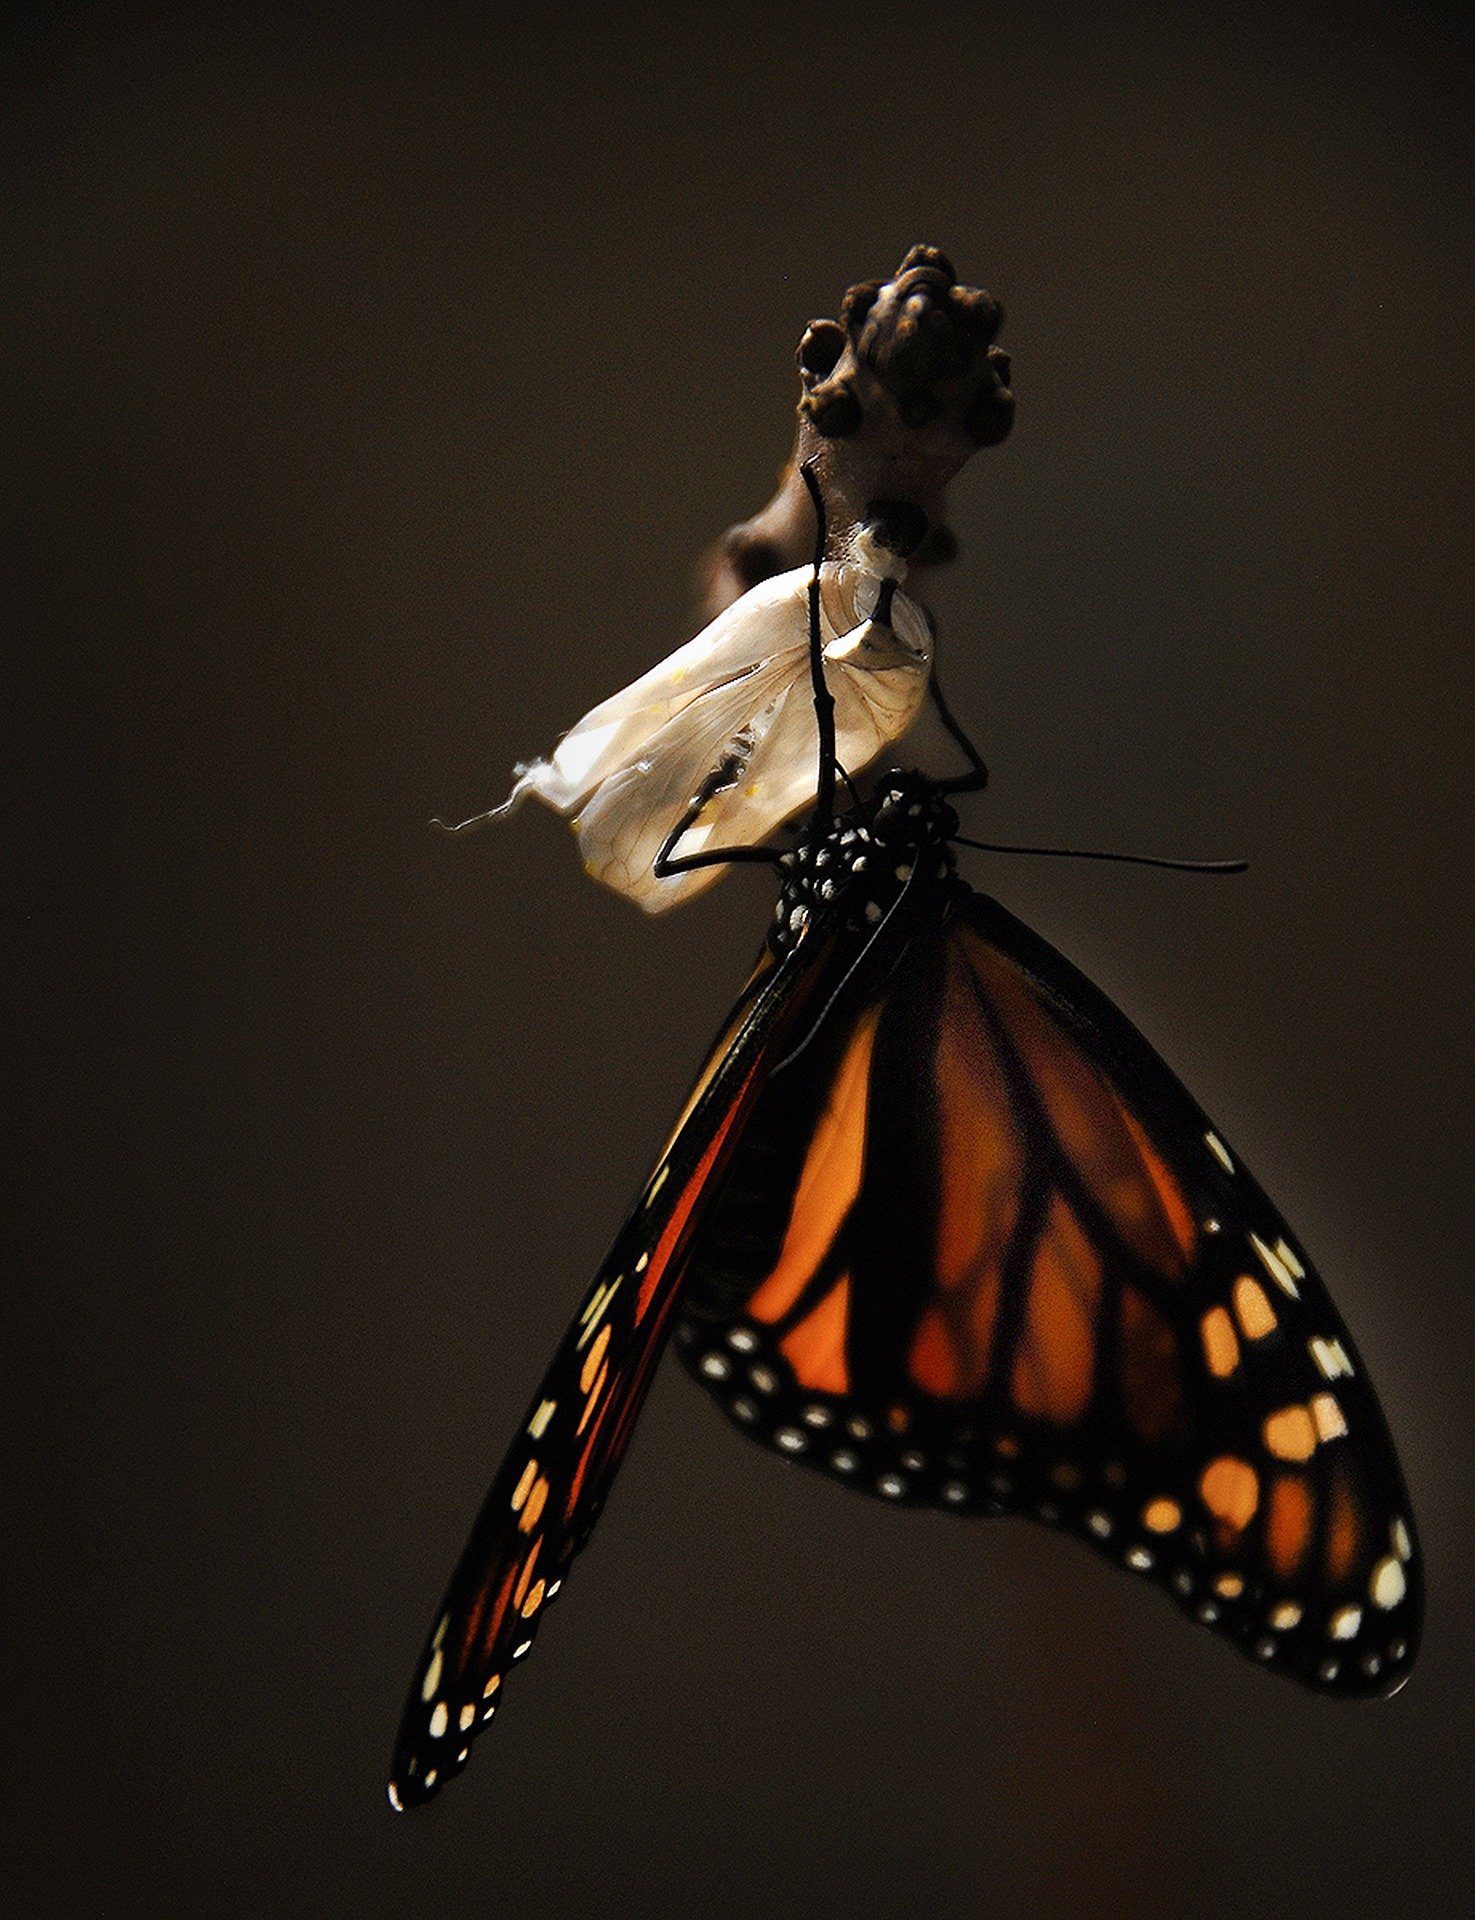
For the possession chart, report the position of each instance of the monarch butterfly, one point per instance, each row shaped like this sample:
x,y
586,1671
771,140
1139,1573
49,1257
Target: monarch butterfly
x,y
938,1221
728,716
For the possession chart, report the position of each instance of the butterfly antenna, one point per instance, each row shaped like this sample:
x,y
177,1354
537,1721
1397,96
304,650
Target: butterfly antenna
x,y
1097,853
856,798
824,700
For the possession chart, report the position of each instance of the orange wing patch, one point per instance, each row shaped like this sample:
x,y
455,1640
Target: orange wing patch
x,y
1290,1434
1221,1348
1343,1531
1128,1178
828,1184
1055,1363
815,1349
981,1170
979,1178
1288,1524
1169,1193
1230,1489
934,1362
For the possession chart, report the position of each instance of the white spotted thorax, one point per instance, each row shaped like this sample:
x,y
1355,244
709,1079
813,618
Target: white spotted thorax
x,y
735,705
853,871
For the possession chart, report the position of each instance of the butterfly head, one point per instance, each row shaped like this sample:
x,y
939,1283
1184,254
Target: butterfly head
x,y
852,871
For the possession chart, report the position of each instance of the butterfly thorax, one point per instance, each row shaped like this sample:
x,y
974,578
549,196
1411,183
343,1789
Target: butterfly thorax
x,y
852,872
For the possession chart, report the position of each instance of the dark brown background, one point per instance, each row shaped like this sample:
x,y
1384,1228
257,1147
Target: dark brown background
x,y
379,374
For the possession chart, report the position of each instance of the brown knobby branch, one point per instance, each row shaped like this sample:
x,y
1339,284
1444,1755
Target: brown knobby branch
x,y
897,393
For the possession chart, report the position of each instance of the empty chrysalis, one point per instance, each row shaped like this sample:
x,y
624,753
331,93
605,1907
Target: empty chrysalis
x,y
732,712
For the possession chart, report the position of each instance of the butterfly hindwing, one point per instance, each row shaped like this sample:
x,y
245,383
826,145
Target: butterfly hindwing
x,y
979,1248
551,1486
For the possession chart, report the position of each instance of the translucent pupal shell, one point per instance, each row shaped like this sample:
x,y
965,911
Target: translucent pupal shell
x,y
737,698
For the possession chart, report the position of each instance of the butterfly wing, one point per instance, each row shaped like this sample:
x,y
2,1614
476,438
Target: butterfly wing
x,y
979,1248
550,1488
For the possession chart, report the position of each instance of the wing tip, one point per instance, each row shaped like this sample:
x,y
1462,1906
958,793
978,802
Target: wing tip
x,y
410,1788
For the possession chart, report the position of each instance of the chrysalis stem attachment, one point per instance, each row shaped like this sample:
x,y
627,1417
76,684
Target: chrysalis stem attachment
x,y
824,700
668,862
1096,853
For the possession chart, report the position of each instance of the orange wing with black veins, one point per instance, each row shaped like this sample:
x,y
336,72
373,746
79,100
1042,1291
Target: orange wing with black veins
x,y
979,1248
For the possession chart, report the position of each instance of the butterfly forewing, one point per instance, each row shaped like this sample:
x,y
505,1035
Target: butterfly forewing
x,y
979,1248
552,1484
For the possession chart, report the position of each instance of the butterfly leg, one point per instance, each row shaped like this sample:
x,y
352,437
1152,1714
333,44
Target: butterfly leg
x,y
668,861
851,789
975,780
